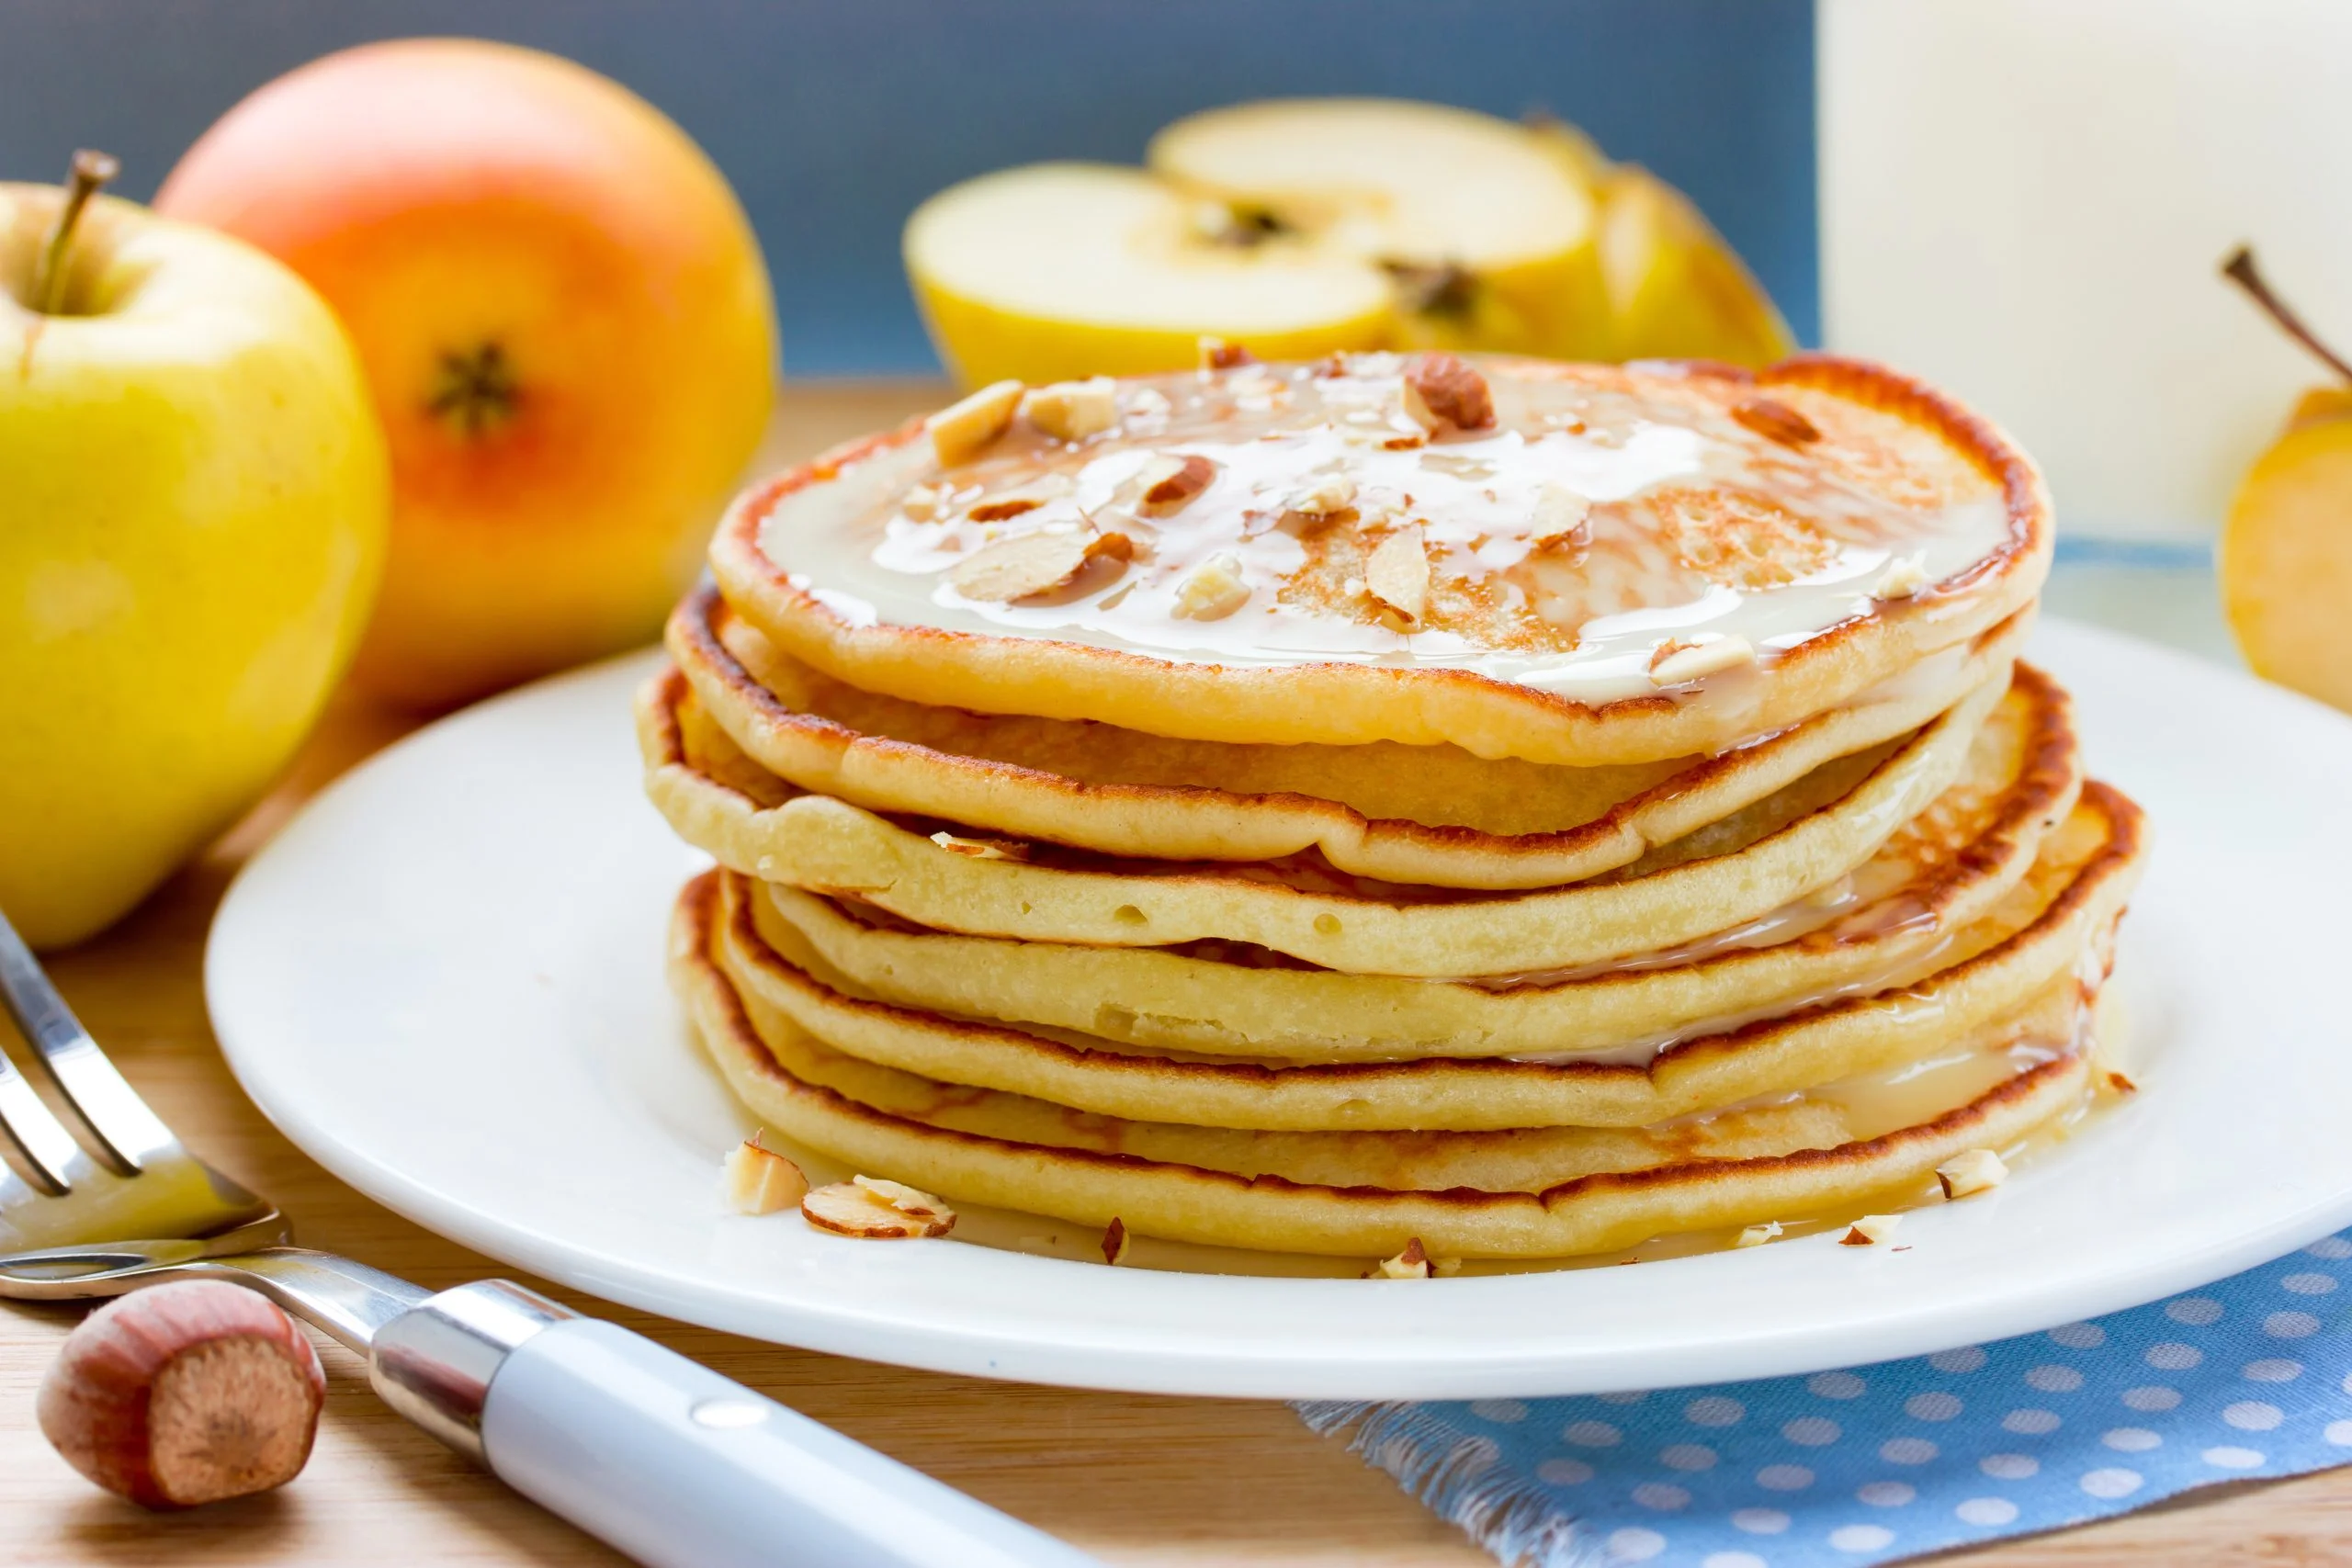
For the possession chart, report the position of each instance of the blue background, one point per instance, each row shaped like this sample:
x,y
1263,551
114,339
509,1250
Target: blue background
x,y
834,119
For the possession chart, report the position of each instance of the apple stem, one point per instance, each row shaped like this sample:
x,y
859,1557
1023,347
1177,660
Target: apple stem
x,y
91,170
2240,269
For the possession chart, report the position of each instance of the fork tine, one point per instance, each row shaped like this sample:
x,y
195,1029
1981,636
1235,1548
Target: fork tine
x,y
123,1130
42,1145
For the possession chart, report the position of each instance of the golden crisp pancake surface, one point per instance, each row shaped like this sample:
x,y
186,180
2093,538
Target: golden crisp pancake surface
x,y
1615,565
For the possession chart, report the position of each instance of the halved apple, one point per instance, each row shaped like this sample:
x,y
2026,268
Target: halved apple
x,y
1058,271
1489,241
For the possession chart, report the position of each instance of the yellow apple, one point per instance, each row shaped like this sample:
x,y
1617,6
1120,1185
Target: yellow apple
x,y
566,324
191,526
2286,554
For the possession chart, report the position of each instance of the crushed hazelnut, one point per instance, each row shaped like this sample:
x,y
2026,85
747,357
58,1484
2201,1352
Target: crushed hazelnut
x,y
1870,1230
1331,494
964,430
921,503
1413,1263
1676,662
758,1180
1030,564
1441,392
2120,1083
1775,421
1559,513
1905,575
875,1209
1072,411
1757,1235
1172,482
1971,1172
1115,1242
1397,577
980,849
1213,590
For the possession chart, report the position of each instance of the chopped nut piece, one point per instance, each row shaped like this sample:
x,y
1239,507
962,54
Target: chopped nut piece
x,y
962,431
1905,575
1444,1268
2120,1083
1218,355
1973,1171
1020,499
1213,590
1870,1230
1170,482
1775,421
1675,662
921,503
899,1195
1757,1235
1397,576
980,849
1072,411
1326,496
1559,513
1115,1242
998,508
759,1180
1442,393
855,1209
1031,564
1413,1263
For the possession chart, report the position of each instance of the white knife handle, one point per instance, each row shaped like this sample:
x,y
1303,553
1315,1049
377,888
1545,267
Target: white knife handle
x,y
666,1460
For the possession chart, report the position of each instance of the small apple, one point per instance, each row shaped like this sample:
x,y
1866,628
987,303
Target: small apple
x,y
191,523
2286,555
565,321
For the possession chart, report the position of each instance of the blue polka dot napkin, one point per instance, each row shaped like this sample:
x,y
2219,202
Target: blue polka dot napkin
x,y
2250,1377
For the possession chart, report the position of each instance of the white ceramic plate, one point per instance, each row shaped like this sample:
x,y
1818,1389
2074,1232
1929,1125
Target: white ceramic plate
x,y
444,981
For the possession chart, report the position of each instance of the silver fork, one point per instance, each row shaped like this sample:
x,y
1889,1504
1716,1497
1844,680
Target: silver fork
x,y
661,1457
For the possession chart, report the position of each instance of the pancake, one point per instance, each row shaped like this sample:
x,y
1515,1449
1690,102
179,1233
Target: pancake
x,y
1429,815
1939,874
1734,871
1542,569
2065,908
1538,1192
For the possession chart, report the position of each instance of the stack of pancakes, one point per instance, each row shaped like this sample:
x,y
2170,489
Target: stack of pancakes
x,y
1527,809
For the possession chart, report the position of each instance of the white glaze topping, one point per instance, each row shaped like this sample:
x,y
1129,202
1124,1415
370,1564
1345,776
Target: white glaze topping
x,y
1604,520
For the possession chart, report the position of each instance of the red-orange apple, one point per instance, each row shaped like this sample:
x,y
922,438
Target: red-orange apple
x,y
565,323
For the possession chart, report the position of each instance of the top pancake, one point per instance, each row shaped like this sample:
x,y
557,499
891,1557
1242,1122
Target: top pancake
x,y
1833,519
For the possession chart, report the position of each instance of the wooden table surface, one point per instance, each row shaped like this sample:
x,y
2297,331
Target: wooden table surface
x,y
1135,1479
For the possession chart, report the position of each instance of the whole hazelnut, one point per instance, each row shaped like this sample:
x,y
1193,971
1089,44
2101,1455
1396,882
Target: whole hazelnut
x,y
184,1393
